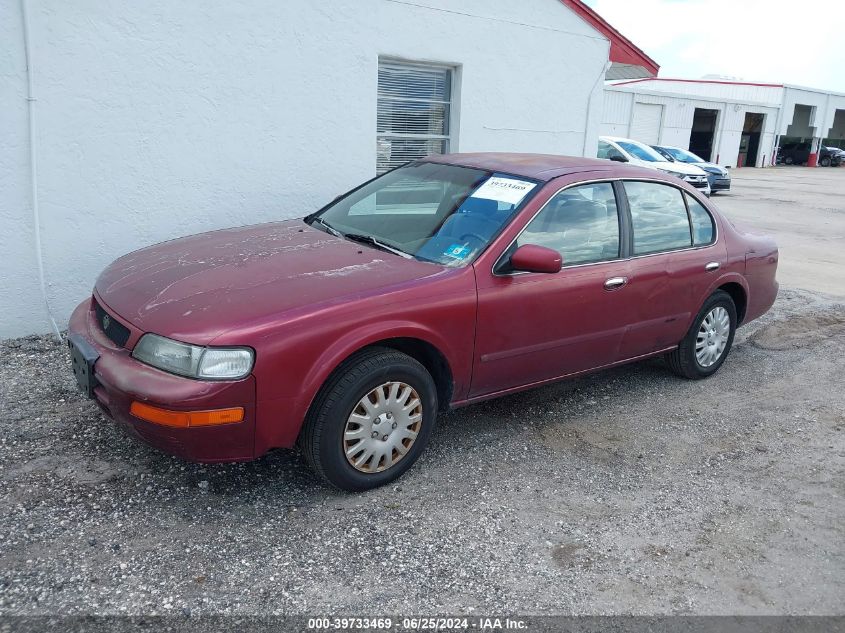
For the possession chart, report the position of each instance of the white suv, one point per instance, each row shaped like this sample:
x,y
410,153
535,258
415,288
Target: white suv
x,y
626,150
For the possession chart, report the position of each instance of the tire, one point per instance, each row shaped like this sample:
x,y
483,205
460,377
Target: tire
x,y
684,361
340,404
825,162
788,160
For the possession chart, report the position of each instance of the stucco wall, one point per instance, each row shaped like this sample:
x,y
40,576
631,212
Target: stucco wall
x,y
159,119
21,306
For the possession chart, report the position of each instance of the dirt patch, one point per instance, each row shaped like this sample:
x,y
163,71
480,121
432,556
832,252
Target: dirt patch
x,y
89,472
572,555
584,442
800,331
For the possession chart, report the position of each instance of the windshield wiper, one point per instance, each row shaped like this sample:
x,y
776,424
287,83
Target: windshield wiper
x,y
374,241
327,226
361,238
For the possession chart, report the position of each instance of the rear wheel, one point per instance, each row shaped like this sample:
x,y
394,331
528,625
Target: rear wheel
x,y
708,341
371,421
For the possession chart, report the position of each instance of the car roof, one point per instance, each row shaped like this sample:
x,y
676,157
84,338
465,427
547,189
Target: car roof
x,y
535,166
616,139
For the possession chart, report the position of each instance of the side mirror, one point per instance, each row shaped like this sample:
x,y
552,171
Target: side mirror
x,y
531,258
619,158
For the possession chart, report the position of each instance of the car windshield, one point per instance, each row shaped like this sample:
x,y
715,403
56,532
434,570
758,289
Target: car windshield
x,y
433,212
683,156
643,152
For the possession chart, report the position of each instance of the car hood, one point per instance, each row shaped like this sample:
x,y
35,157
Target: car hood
x,y
712,167
195,288
681,168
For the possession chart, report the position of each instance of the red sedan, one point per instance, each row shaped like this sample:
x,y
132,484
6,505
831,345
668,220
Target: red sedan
x,y
448,281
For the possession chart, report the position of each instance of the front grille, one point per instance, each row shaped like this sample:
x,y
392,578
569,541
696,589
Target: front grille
x,y
117,332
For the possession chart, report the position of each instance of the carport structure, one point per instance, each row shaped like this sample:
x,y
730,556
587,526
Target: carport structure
x,y
813,117
733,123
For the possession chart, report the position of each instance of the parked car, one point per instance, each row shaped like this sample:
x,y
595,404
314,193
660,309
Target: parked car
x,y
719,177
448,281
794,153
799,154
830,157
625,150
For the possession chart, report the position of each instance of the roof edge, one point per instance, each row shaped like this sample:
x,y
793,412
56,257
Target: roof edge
x,y
699,81
622,50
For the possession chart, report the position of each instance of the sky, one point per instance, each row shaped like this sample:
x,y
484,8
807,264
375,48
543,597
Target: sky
x,y
773,41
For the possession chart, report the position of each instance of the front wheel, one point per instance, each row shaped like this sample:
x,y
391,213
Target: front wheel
x,y
825,162
708,341
371,420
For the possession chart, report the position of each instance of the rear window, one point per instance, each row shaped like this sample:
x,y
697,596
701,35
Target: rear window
x,y
703,228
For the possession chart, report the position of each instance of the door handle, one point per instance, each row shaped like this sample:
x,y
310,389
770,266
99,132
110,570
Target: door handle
x,y
615,282
712,266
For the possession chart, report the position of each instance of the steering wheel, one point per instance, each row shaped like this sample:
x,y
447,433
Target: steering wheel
x,y
474,236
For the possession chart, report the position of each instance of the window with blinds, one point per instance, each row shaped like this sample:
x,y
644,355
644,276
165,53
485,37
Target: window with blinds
x,y
414,104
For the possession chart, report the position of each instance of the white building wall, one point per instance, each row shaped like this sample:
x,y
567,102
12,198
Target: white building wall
x,y
616,120
833,123
678,113
21,305
159,119
816,100
822,117
837,130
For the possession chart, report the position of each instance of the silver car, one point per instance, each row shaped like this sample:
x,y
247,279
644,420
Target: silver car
x,y
719,177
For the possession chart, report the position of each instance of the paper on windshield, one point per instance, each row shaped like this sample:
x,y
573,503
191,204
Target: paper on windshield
x,y
507,190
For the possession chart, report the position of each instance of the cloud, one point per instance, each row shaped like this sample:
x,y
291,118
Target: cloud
x,y
756,40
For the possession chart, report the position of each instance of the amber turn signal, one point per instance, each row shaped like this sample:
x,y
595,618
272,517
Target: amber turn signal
x,y
185,419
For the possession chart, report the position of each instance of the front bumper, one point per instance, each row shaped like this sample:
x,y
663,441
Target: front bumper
x,y
699,182
720,184
120,380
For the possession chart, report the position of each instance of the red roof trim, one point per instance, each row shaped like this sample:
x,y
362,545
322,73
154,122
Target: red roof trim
x,y
622,50
698,81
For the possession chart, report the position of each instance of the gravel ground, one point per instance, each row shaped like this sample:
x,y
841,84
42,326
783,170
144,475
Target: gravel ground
x,y
629,491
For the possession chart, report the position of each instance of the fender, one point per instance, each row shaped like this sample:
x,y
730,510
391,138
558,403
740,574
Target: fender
x,y
371,333
725,278
280,420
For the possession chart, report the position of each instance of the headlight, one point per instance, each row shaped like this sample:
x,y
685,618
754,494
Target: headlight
x,y
676,174
193,361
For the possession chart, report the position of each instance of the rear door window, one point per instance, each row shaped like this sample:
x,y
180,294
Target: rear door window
x,y
659,217
703,229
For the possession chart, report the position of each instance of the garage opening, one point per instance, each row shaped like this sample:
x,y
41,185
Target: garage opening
x,y
749,143
703,133
836,134
797,144
645,124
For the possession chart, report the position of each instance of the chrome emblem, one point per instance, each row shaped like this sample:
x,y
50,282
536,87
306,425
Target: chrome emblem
x,y
106,321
